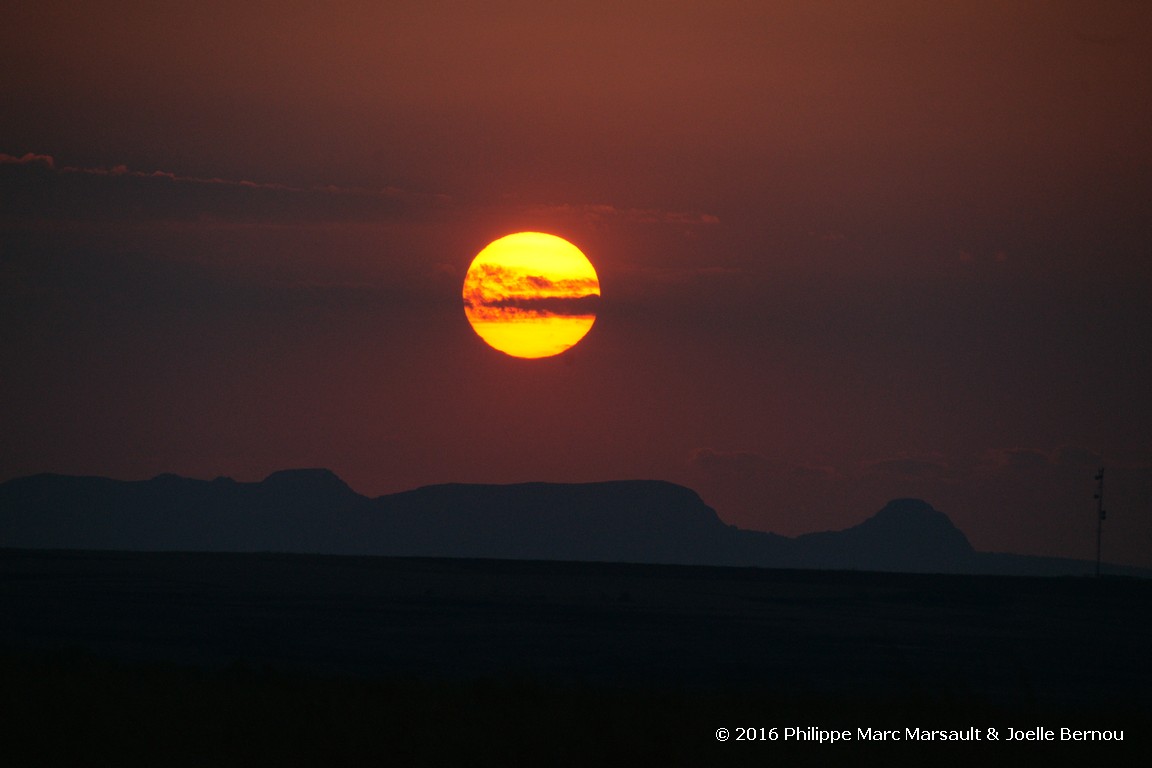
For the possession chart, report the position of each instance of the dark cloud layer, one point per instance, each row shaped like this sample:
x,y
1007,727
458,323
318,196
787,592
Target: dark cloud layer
x,y
583,306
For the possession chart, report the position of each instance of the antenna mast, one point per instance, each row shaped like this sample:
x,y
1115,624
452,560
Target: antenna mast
x,y
1100,514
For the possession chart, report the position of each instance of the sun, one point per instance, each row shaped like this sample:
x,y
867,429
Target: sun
x,y
531,295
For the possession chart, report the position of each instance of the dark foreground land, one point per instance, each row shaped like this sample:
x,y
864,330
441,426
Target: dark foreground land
x,y
214,659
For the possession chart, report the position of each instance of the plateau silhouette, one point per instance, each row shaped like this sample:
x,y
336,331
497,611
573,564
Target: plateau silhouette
x,y
312,511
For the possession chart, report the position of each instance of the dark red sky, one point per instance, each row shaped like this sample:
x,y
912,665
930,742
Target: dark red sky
x,y
848,252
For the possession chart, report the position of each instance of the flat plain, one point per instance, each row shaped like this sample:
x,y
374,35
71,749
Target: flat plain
x,y
427,655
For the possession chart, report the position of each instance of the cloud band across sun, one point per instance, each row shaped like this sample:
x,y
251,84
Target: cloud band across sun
x,y
531,294
494,292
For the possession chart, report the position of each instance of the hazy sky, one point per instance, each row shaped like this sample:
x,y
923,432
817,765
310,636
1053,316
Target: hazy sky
x,y
847,251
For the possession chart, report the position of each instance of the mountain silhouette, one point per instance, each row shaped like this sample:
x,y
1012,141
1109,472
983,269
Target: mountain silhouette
x,y
906,535
314,511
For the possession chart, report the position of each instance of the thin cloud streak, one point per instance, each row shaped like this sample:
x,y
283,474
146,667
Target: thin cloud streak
x,y
598,212
49,162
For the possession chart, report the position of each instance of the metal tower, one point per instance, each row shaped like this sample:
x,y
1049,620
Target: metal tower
x,y
1100,514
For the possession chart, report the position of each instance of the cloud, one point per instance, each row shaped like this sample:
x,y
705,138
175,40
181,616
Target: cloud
x,y
388,192
46,189
808,472
495,292
1070,457
1065,458
1016,459
595,212
540,282
742,464
28,159
531,306
922,468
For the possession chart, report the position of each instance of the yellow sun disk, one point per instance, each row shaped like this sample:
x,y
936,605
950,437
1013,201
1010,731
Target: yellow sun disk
x,y
537,253
517,289
534,338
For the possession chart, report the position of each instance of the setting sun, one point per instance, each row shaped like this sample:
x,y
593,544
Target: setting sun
x,y
531,295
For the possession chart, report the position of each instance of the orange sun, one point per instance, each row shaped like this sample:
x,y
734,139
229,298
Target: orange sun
x,y
531,294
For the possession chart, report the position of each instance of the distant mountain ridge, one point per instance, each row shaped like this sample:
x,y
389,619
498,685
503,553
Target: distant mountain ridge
x,y
314,511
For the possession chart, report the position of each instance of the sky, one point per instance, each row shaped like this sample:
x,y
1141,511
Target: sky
x,y
848,251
